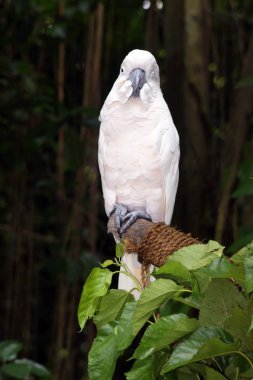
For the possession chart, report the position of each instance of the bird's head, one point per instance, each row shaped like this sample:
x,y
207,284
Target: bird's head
x,y
138,77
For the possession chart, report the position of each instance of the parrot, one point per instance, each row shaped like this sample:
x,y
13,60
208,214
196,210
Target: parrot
x,y
138,153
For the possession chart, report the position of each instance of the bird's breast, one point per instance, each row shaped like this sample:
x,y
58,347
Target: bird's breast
x,y
132,164
132,168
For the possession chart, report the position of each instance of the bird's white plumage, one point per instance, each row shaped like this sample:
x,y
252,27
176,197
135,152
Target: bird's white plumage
x,y
138,149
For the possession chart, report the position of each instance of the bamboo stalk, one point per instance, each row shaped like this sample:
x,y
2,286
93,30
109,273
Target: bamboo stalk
x,y
28,283
87,84
239,126
61,58
194,162
61,303
74,252
95,100
97,55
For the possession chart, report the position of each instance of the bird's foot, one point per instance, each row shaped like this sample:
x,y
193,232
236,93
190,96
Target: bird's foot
x,y
120,212
125,218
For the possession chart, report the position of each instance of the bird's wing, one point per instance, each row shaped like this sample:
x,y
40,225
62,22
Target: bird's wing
x,y
109,194
167,147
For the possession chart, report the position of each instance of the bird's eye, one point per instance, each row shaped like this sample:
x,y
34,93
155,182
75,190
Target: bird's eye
x,y
121,70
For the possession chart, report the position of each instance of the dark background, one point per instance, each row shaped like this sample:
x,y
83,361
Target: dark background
x,y
58,61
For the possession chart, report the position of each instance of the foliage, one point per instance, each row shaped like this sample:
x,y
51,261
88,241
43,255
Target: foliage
x,y
13,368
210,339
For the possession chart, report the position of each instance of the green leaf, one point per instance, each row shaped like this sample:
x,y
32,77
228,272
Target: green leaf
x,y
238,325
244,189
222,268
151,298
245,236
245,258
119,250
200,282
111,340
34,368
249,268
245,82
103,354
218,302
164,332
207,372
176,269
124,329
142,369
9,350
172,306
183,373
238,364
211,374
189,301
245,173
107,263
251,321
204,343
16,370
95,287
111,306
197,255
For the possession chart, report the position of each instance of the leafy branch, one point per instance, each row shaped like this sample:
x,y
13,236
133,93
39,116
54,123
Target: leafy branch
x,y
205,328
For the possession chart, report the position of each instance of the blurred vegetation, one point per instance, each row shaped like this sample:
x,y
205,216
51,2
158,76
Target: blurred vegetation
x,y
58,60
11,367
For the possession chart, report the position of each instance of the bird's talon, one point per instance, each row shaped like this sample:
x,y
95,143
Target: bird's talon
x,y
120,212
125,218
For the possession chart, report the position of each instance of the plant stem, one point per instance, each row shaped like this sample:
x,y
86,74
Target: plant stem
x,y
129,274
185,290
215,361
237,373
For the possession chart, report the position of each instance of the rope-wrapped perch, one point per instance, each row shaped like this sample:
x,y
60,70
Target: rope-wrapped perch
x,y
153,242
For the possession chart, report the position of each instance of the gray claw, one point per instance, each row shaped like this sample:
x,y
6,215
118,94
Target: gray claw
x,y
131,217
125,218
120,212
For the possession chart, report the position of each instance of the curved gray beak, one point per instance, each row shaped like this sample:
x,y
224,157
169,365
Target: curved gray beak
x,y
138,79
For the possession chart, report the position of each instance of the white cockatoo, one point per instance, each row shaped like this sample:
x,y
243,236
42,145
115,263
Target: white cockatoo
x,y
138,151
